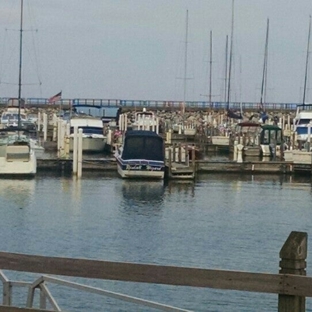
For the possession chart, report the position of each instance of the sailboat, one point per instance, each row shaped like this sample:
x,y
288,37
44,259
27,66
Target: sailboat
x,y
17,156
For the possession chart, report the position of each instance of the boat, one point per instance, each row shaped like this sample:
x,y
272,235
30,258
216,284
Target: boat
x,y
142,155
93,138
303,122
303,117
247,134
17,156
271,140
15,113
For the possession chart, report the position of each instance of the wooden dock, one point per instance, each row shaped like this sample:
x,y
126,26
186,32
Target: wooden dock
x,y
179,170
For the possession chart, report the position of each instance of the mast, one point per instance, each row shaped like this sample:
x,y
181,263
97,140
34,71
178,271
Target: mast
x,y
20,67
210,74
307,61
231,52
225,75
264,73
185,63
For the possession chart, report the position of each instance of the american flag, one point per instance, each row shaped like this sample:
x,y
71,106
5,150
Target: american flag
x,y
55,97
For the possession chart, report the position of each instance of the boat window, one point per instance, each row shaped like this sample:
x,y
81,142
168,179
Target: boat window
x,y
89,130
266,137
303,121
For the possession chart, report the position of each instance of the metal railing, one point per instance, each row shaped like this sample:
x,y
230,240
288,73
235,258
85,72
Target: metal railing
x,y
155,104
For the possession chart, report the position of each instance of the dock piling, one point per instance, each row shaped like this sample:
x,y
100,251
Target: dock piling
x,y
293,256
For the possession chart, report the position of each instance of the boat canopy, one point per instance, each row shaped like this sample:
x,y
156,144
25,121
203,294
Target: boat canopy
x,y
271,134
142,144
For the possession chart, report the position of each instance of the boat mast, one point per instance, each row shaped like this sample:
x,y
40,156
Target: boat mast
x,y
264,73
225,74
210,74
20,67
185,63
231,52
307,61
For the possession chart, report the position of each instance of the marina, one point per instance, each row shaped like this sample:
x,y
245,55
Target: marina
x,y
160,175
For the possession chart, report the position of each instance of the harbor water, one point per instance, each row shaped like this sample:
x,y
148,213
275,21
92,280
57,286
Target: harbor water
x,y
219,221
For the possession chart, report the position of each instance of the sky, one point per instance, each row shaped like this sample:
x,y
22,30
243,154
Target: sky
x,y
155,49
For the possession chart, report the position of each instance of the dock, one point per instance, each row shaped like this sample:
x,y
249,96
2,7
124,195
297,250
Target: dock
x,y
179,170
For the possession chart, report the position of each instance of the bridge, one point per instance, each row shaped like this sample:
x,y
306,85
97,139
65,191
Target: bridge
x,y
115,103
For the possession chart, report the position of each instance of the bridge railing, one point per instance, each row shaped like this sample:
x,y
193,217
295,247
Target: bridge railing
x,y
156,104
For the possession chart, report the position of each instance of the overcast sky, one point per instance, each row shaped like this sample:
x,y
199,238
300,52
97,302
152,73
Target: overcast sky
x,y
135,49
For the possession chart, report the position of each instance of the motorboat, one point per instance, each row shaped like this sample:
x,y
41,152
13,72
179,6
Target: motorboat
x,y
142,155
93,138
271,140
247,134
303,122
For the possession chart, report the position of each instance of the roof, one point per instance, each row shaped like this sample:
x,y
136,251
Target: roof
x,y
270,127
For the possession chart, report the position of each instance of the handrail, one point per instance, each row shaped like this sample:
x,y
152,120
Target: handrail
x,y
161,104
291,284
158,274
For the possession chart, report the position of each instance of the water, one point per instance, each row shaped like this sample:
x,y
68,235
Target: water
x,y
230,222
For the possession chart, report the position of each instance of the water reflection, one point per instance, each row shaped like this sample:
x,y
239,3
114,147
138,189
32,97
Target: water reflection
x,y
17,191
186,187
142,194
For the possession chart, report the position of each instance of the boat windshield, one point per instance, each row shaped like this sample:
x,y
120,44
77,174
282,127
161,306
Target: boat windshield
x,y
150,148
303,121
89,130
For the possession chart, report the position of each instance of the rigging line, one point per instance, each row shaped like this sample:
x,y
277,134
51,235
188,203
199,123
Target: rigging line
x,y
35,48
307,61
264,74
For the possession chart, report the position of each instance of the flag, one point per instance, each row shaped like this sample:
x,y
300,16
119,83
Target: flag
x,y
55,97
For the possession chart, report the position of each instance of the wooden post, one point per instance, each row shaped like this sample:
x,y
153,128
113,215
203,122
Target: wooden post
x,y
293,261
170,162
79,151
75,150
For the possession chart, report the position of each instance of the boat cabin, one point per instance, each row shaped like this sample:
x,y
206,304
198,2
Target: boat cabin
x,y
271,140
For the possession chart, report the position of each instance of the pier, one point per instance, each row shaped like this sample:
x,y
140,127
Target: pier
x,y
291,284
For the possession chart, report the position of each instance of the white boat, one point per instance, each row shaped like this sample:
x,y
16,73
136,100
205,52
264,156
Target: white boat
x,y
303,117
17,156
303,122
142,155
9,117
93,138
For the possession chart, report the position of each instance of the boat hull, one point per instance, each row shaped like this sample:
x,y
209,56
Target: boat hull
x,y
140,169
90,144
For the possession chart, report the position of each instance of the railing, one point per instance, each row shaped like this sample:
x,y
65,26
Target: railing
x,y
156,104
291,284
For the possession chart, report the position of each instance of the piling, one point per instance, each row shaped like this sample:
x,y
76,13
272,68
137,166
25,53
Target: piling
x,y
293,261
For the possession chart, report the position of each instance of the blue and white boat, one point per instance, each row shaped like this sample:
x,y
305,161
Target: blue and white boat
x,y
303,122
142,155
